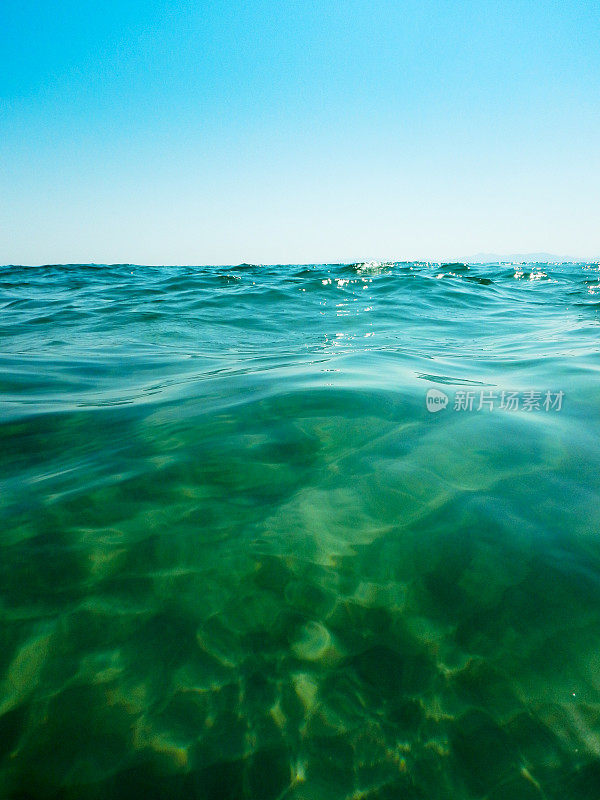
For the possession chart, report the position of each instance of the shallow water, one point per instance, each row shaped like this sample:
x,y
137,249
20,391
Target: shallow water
x,y
242,559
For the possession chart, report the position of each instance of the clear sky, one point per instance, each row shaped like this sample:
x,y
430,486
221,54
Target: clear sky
x,y
155,131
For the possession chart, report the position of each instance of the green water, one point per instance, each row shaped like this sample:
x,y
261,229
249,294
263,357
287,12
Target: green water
x,y
240,558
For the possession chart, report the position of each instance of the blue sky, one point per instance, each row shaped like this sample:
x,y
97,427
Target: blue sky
x,y
220,132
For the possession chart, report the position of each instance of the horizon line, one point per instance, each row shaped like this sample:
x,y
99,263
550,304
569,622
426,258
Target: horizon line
x,y
500,259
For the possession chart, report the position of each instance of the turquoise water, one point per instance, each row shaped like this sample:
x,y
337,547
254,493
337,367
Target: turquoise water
x,y
241,558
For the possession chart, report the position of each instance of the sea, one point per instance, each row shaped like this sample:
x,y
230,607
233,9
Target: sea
x,y
316,532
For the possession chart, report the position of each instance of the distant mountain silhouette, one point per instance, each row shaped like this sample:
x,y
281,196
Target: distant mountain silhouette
x,y
482,258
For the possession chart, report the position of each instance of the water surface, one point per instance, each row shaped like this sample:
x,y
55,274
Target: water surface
x,y
240,558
